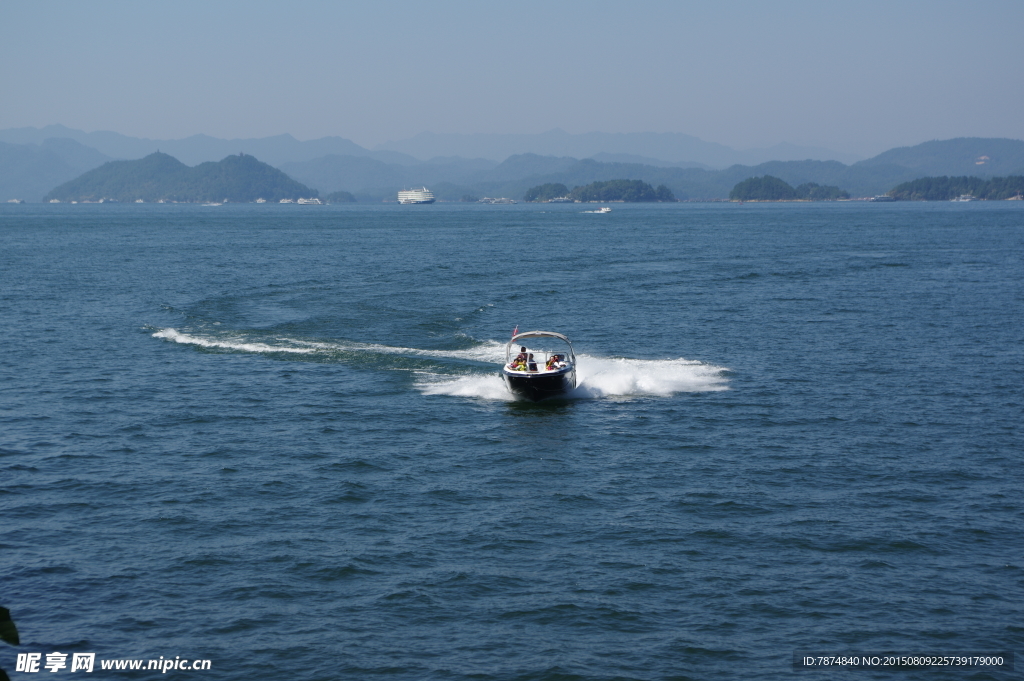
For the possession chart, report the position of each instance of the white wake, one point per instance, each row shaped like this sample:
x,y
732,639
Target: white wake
x,y
596,377
237,344
489,351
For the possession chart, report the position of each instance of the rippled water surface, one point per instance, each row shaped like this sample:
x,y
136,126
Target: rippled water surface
x,y
275,437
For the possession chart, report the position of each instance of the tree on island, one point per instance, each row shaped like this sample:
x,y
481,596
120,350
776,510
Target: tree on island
x,y
546,192
628,191
769,188
946,188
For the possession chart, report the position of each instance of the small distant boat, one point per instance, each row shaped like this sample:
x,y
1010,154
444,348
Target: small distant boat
x,y
310,202
421,195
286,201
213,203
547,370
881,198
963,198
54,200
502,200
139,201
261,200
602,209
15,201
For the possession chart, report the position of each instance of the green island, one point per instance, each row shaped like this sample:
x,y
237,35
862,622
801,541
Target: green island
x,y
626,191
947,188
769,188
160,177
340,197
546,192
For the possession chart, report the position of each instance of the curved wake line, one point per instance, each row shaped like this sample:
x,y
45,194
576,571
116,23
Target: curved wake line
x,y
596,376
231,344
490,351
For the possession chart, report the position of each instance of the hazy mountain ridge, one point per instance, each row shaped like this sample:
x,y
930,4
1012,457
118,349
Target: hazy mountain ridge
x,y
667,147
27,171
980,156
354,173
197,149
661,148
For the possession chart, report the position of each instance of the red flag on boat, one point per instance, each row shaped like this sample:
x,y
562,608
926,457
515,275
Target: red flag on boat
x,y
515,331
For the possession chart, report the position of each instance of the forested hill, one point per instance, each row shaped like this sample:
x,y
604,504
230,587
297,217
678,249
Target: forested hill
x,y
163,177
770,188
947,188
963,156
628,191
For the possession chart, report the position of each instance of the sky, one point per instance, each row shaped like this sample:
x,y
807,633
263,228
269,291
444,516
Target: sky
x,y
857,77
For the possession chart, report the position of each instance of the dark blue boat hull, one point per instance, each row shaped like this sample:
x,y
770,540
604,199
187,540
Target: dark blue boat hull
x,y
538,386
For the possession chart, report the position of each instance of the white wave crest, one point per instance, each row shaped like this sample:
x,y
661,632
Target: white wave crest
x,y
604,377
485,386
597,377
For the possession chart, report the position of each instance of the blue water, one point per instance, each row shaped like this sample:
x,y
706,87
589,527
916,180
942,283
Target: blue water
x,y
275,437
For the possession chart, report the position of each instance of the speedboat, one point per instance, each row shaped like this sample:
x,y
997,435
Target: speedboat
x,y
539,364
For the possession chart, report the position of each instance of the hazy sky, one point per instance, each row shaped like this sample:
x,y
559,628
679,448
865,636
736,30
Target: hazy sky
x,y
852,76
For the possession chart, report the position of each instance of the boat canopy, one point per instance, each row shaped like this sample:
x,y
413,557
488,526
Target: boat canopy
x,y
539,334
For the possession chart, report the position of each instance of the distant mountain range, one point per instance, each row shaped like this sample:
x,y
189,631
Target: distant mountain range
x,y
27,171
666,148
673,149
199,148
34,161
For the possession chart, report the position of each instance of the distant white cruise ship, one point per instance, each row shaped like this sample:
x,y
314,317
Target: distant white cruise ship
x,y
421,195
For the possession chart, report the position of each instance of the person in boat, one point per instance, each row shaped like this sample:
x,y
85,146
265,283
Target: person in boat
x,y
519,362
531,363
554,363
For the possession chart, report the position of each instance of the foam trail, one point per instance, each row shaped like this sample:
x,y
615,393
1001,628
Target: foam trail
x,y
486,386
597,377
603,377
233,344
490,351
